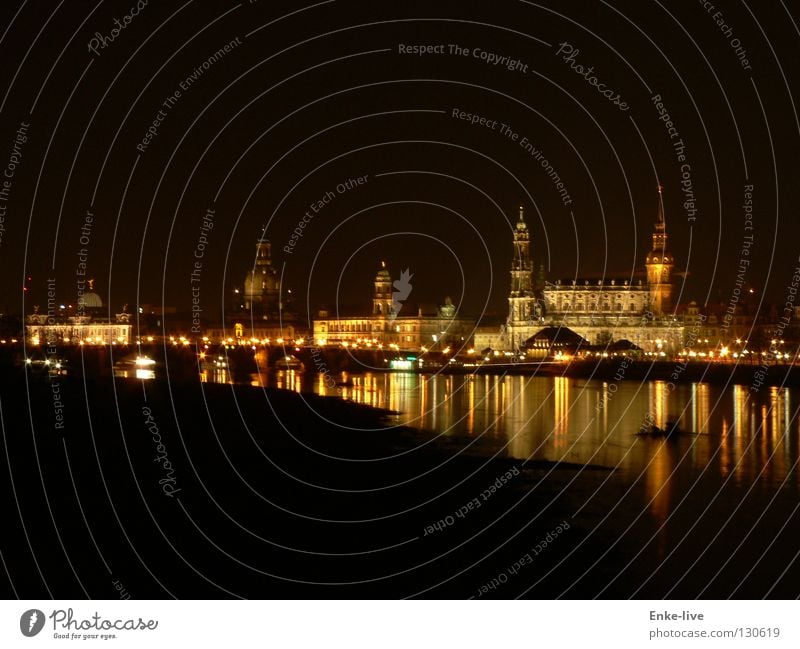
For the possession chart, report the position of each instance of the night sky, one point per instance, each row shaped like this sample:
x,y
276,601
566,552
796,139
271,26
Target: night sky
x,y
307,97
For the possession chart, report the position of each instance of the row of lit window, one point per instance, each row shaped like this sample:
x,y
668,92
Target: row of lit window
x,y
579,306
361,327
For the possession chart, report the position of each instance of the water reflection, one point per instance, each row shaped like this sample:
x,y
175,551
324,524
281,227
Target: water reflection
x,y
216,375
734,432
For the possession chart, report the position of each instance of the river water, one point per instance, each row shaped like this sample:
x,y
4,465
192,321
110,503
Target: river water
x,y
735,431
705,514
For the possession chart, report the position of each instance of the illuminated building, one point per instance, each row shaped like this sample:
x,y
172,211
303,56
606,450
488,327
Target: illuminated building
x,y
261,294
260,311
659,263
58,327
600,310
392,326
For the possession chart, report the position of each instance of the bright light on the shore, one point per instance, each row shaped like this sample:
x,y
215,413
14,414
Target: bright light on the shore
x,y
144,361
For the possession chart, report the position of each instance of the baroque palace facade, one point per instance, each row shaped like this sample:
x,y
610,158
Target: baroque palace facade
x,y
600,309
393,324
60,325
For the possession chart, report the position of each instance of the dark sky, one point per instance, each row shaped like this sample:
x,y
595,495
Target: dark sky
x,y
306,99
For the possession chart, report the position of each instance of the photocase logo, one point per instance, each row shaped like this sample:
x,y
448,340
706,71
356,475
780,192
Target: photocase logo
x,y
402,291
31,622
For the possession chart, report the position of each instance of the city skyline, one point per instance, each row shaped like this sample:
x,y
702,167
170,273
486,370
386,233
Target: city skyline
x,y
368,301
237,287
609,188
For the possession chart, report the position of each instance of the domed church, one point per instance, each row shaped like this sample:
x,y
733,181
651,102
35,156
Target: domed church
x,y
261,294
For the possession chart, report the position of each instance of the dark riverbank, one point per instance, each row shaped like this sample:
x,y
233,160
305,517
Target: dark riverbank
x,y
201,490
219,491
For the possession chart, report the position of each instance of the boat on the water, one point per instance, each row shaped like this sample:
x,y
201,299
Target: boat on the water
x,y
671,431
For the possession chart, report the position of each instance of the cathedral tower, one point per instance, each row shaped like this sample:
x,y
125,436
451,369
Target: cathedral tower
x,y
521,265
659,263
522,313
521,300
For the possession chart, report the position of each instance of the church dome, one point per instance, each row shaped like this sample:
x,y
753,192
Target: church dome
x,y
249,284
259,280
90,300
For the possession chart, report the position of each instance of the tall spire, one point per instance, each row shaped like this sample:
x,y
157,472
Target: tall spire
x,y
660,231
659,263
521,265
521,300
521,225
